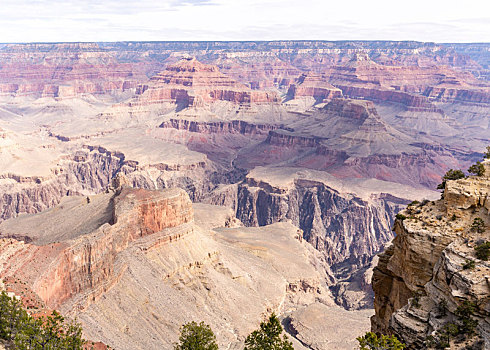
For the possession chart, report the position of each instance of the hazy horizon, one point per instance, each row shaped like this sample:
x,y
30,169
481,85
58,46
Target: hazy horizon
x,y
239,41
35,21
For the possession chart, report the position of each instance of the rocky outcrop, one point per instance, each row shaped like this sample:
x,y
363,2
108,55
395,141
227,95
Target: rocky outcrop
x,y
411,102
147,251
90,170
264,73
429,279
414,78
81,173
458,94
284,139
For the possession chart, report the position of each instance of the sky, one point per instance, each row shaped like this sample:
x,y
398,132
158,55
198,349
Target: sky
x,y
167,20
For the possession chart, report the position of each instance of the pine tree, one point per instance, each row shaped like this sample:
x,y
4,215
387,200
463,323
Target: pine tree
x,y
268,337
195,336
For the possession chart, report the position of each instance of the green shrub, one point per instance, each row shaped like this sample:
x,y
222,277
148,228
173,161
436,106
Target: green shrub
x,y
467,323
477,169
483,251
450,175
370,341
268,337
478,225
28,333
195,336
400,217
451,329
416,300
487,153
442,308
469,265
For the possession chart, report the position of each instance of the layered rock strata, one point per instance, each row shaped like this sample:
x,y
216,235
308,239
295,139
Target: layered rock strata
x,y
64,71
88,265
219,127
313,85
192,83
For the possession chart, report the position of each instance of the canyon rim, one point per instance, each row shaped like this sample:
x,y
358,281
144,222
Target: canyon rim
x,y
148,184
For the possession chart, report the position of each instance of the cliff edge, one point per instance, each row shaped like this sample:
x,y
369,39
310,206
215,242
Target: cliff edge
x,y
432,287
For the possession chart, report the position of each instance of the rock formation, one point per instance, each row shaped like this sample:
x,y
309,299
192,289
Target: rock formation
x,y
264,73
192,83
363,78
429,280
348,227
133,265
313,85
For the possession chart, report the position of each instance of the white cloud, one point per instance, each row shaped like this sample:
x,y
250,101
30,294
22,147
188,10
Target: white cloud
x,y
113,20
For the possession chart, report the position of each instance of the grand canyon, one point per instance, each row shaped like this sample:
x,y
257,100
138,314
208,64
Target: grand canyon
x,y
144,185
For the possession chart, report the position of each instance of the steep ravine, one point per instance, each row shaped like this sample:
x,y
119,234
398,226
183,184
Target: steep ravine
x,y
347,229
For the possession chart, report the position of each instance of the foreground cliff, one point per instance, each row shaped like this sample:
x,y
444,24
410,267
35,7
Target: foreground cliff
x,y
431,288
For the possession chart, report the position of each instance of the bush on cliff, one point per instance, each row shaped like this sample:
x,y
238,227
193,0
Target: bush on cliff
x,y
483,251
450,175
24,332
486,155
195,336
478,225
370,341
400,216
464,313
477,169
268,337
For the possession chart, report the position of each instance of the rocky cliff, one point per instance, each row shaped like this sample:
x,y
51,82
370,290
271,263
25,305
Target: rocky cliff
x,y
431,288
221,127
348,228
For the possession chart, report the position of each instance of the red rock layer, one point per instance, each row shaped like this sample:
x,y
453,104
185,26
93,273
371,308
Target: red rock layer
x,y
445,93
63,70
284,139
193,83
258,71
91,264
362,70
313,85
363,78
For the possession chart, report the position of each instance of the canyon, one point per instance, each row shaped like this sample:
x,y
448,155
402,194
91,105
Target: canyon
x,y
162,164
